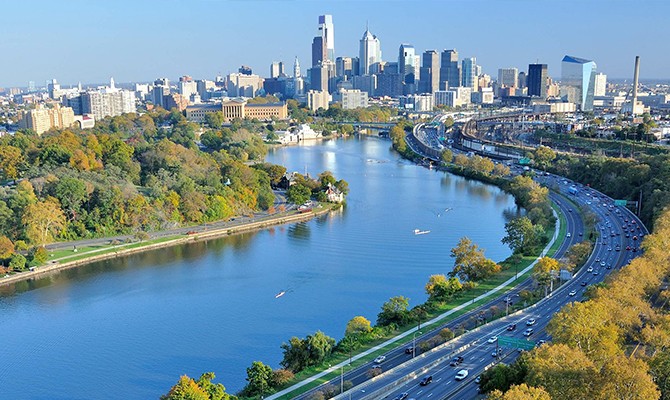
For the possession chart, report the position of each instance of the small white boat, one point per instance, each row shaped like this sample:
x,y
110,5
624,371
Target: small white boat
x,y
420,232
280,294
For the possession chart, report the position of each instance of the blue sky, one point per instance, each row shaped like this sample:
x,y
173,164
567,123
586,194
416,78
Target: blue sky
x,y
92,40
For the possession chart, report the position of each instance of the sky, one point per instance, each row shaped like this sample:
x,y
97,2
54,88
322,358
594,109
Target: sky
x,y
90,41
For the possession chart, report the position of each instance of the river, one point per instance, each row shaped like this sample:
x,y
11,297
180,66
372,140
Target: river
x,y
127,328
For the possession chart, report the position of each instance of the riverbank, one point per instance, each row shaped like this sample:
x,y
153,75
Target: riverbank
x,y
125,249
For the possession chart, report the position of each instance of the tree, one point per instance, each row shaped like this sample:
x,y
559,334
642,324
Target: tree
x,y
215,120
186,389
520,392
259,378
43,220
564,372
11,162
319,346
545,269
281,377
522,235
632,380
447,156
544,156
440,288
470,263
660,370
357,325
394,311
6,248
216,391
71,192
296,356
298,193
17,262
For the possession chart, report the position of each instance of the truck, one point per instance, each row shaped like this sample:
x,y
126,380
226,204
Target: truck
x,y
572,190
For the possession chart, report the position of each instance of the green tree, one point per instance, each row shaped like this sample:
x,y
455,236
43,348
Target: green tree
x,y
447,156
17,262
394,311
319,346
259,379
186,389
71,192
522,236
214,120
470,263
544,156
298,193
296,355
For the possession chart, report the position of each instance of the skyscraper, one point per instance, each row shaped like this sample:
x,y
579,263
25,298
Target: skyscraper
x,y
508,77
578,77
600,84
276,69
370,52
469,73
430,72
537,80
323,45
406,62
450,73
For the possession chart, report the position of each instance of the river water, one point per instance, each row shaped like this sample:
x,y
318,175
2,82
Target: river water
x,y
127,328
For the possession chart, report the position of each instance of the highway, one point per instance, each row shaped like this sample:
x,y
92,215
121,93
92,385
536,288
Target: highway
x,y
614,223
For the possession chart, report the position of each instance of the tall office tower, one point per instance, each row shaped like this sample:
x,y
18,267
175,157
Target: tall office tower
x,y
508,77
187,86
370,52
469,73
429,81
537,80
323,45
276,69
578,77
449,70
523,79
344,67
406,63
600,84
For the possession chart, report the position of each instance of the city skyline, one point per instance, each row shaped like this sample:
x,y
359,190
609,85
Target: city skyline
x,y
152,39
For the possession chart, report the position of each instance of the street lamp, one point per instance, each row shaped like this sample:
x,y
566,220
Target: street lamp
x,y
414,342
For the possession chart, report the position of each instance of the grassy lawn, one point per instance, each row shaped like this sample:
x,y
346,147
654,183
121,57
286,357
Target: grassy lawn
x,y
67,255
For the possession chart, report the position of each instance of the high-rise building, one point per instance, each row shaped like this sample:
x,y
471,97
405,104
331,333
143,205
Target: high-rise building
x,y
317,99
276,69
243,85
245,70
370,52
406,63
187,86
346,67
600,85
323,44
450,73
523,80
578,77
41,119
537,80
508,77
430,72
108,102
469,73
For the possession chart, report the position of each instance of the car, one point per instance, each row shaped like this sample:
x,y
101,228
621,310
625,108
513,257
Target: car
x,y
492,339
462,374
511,327
602,263
568,234
609,266
401,396
478,379
584,283
497,352
426,380
409,350
572,292
530,322
528,332
581,233
540,343
377,368
455,361
589,269
380,359
596,273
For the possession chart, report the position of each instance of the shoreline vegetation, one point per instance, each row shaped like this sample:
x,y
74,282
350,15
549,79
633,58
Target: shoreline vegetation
x,y
99,253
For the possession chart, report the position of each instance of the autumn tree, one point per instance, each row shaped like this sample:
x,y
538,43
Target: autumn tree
x,y
358,325
440,288
470,263
544,156
520,392
564,372
545,269
43,220
11,162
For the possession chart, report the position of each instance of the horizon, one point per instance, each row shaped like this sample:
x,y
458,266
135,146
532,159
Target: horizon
x,y
176,38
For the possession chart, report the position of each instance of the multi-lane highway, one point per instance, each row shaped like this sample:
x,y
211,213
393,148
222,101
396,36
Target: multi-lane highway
x,y
618,230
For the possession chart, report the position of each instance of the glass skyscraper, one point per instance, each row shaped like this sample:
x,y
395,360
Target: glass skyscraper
x,y
578,77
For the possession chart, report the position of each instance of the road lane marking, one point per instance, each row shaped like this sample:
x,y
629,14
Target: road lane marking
x,y
429,395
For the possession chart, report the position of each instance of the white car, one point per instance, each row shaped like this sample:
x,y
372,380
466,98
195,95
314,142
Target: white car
x,y
492,339
380,359
530,322
528,332
589,269
462,374
572,293
568,234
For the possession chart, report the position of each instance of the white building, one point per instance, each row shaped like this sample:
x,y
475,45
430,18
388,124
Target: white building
x,y
318,99
370,52
546,108
416,102
241,85
600,86
508,77
108,102
353,98
483,96
455,97
297,135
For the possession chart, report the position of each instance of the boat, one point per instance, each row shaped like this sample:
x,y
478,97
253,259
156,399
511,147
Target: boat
x,y
280,294
420,232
